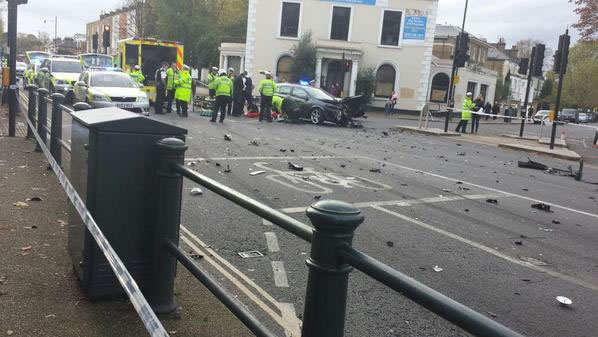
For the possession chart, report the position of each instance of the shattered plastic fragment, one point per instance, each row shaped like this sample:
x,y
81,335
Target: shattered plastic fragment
x,y
375,170
438,269
295,167
542,206
228,138
564,301
34,199
196,191
255,173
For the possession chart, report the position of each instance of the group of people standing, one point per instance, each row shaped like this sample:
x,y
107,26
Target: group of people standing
x,y
176,85
232,92
471,112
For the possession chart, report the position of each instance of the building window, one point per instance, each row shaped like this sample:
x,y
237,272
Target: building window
x,y
391,28
283,68
340,23
289,19
385,81
471,87
440,85
484,91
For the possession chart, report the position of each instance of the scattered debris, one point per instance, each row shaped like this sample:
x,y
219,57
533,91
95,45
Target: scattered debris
x,y
525,189
250,254
533,261
62,223
318,197
546,229
556,222
375,170
551,170
195,256
438,269
26,248
460,153
458,144
464,188
295,167
254,142
227,169
9,332
459,183
467,210
446,190
34,199
196,191
255,173
228,138
51,316
20,204
390,243
343,165
30,227
292,151
491,314
542,207
217,164
191,163
385,133
564,301
283,150
492,201
519,243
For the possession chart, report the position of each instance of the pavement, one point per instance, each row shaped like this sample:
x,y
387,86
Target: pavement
x,y
453,213
39,292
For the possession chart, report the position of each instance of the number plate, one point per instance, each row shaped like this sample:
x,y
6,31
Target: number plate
x,y
124,106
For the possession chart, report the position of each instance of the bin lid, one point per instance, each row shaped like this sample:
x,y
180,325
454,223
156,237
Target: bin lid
x,y
119,120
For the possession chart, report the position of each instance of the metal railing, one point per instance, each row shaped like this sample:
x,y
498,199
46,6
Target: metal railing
x,y
331,260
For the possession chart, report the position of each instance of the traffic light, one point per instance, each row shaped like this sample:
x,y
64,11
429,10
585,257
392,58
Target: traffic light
x,y
94,42
539,60
523,65
106,37
462,49
563,50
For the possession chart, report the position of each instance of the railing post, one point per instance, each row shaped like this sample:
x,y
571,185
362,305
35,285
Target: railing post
x,y
171,151
42,116
56,133
81,106
326,299
31,109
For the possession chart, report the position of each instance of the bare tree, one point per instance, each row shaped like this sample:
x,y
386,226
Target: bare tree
x,y
140,18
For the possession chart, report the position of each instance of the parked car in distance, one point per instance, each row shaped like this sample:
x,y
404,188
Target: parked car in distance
x,y
104,88
315,104
583,118
540,116
568,115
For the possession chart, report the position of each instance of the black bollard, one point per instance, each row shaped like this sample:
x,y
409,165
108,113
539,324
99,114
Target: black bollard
x,y
171,151
31,109
56,133
42,116
326,299
81,106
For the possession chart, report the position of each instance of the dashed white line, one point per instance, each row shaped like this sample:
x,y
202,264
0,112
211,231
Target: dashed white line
x,y
269,158
280,275
490,250
272,242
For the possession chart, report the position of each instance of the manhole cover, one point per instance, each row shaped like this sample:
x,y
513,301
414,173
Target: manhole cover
x,y
250,254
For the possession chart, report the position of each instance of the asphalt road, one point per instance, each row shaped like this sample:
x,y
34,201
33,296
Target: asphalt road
x,y
427,207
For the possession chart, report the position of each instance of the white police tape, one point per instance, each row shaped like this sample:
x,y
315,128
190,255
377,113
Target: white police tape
x,y
485,114
144,310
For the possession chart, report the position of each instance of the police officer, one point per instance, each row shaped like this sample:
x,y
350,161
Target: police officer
x,y
171,76
468,107
160,87
137,75
211,77
239,95
183,90
223,87
266,89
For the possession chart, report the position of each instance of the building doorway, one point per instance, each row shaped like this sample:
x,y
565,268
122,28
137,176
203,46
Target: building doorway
x,y
334,75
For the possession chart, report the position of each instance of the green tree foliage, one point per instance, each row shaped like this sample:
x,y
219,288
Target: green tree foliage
x,y
201,25
304,58
580,88
588,18
29,42
503,88
548,87
366,84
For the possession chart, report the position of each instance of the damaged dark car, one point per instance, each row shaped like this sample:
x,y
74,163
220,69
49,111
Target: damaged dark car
x,y
318,106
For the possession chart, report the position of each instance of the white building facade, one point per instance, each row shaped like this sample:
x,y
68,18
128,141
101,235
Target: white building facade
x,y
394,37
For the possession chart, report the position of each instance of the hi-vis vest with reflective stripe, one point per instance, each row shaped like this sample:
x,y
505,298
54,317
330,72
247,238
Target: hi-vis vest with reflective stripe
x,y
183,87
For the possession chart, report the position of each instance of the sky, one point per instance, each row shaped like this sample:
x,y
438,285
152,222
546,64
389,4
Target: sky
x,y
514,20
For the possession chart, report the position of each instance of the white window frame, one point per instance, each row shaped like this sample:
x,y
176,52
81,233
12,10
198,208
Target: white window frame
x,y
299,25
382,12
349,36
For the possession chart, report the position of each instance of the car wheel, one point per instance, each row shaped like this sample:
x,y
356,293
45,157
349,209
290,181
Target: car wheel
x,y
316,116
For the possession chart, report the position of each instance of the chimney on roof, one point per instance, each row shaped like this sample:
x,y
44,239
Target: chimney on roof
x,y
501,45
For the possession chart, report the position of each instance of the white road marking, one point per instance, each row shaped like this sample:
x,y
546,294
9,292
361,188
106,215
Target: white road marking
x,y
278,318
290,315
483,187
272,242
280,275
406,203
490,250
240,286
270,158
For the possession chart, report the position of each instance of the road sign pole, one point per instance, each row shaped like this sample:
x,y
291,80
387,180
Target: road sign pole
x,y
529,82
451,94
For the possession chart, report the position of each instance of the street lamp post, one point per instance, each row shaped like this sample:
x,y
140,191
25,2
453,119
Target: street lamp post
x,y
55,31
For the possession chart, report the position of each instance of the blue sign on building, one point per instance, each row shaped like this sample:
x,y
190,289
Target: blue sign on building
x,y
415,28
358,2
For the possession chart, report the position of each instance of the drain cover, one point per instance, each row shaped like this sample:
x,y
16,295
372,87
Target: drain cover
x,y
250,254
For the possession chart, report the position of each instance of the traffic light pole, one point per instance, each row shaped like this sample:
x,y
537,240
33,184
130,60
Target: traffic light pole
x,y
529,82
562,62
12,65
